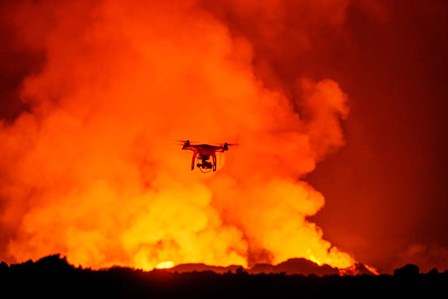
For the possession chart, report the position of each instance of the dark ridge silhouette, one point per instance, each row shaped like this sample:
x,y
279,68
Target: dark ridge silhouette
x,y
295,266
54,275
291,266
199,267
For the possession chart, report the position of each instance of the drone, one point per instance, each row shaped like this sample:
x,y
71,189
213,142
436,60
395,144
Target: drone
x,y
202,153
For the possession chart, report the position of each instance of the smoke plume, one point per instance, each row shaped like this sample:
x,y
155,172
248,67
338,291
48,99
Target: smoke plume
x,y
89,167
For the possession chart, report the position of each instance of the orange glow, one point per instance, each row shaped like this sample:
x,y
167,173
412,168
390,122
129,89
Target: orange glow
x,y
165,265
91,171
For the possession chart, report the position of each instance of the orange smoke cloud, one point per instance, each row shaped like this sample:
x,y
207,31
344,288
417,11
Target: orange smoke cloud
x,y
91,172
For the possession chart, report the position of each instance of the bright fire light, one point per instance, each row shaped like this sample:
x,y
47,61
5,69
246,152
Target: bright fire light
x,y
165,265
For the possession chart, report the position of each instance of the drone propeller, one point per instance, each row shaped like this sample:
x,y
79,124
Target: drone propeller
x,y
178,141
182,142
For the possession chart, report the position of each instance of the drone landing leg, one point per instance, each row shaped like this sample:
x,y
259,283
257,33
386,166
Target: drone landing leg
x,y
192,161
214,162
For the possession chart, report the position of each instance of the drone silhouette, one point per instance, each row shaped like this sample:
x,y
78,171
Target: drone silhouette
x,y
202,152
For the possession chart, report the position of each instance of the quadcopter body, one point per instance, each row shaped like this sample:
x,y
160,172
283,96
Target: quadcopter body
x,y
203,152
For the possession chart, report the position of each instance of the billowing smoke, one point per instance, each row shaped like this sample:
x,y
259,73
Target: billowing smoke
x,y
89,167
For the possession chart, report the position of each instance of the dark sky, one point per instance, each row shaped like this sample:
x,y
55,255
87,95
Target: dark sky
x,y
386,189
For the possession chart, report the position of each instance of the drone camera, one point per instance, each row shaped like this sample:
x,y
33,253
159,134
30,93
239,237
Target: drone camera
x,y
206,165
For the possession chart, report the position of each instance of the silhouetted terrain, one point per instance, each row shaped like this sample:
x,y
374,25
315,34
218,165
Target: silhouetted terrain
x,y
53,274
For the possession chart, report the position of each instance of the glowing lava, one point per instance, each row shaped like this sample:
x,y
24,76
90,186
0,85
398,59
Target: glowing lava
x,y
165,265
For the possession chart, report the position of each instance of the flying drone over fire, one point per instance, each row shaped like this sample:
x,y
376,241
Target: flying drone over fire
x,y
202,152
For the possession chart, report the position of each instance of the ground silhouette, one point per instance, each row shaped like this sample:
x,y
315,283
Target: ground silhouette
x,y
54,275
